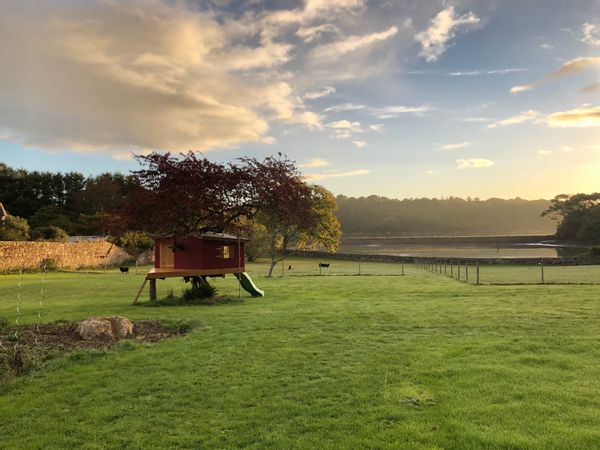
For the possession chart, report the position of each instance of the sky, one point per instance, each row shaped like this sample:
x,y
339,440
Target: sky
x,y
406,98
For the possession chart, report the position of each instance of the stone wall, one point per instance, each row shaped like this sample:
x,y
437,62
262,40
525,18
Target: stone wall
x,y
16,255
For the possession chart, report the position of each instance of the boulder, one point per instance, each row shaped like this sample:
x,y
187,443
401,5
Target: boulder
x,y
105,328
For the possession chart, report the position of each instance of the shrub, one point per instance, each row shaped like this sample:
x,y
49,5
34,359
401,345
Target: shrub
x,y
50,233
594,252
49,264
14,228
199,291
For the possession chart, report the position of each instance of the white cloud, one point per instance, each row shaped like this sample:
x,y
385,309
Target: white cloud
x,y
360,144
429,172
473,163
591,89
344,107
455,146
476,119
376,127
327,90
590,33
339,48
544,152
391,112
442,30
472,73
583,117
346,125
526,116
334,174
268,140
316,162
546,46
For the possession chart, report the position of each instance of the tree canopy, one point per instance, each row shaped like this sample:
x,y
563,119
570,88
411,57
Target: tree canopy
x,y
578,216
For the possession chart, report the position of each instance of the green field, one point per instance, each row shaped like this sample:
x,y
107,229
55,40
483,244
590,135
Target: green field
x,y
390,361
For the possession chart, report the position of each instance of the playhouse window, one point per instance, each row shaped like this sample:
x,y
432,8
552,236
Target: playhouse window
x,y
225,252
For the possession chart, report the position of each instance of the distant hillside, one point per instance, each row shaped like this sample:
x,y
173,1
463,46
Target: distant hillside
x,y
381,216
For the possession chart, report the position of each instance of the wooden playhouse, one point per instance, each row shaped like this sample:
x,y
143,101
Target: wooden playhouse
x,y
206,254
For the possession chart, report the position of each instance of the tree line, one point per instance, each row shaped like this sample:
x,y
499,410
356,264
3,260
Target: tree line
x,y
381,216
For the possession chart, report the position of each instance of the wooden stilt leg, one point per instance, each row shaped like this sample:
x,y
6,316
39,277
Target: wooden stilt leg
x,y
137,297
152,290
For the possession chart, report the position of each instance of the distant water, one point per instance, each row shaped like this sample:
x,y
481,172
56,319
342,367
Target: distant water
x,y
503,247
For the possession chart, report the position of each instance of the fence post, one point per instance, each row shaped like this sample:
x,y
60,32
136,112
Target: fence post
x,y
466,272
477,272
402,268
542,268
458,268
445,269
451,270
359,266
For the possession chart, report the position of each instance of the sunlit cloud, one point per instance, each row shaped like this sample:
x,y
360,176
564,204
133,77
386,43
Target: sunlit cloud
x,y
376,127
526,116
315,162
116,76
429,172
442,30
544,152
583,117
327,90
473,163
455,146
590,33
591,89
571,67
360,144
334,174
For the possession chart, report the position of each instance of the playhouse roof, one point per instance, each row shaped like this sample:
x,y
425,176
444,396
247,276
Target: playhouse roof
x,y
213,236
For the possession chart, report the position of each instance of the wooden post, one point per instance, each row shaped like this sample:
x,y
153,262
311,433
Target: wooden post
x,y
359,266
466,272
542,268
139,292
451,270
402,268
282,269
152,290
477,272
458,268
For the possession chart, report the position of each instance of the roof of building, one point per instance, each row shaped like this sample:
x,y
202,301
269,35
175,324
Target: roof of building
x,y
214,236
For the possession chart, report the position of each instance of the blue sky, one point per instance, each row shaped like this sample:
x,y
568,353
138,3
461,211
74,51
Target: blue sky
x,y
397,98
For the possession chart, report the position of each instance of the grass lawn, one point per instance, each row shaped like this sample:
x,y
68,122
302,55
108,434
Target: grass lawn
x,y
414,361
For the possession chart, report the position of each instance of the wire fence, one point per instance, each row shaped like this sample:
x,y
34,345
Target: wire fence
x,y
471,271
506,274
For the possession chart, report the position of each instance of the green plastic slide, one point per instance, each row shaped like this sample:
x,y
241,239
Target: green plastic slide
x,y
249,285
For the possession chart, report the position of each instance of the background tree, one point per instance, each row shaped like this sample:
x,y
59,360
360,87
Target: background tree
x,y
49,233
136,244
14,228
578,216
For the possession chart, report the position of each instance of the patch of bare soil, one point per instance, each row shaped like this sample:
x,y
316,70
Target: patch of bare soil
x,y
31,345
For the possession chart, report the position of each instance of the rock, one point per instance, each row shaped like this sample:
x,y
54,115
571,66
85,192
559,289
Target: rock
x,y
105,328
122,327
